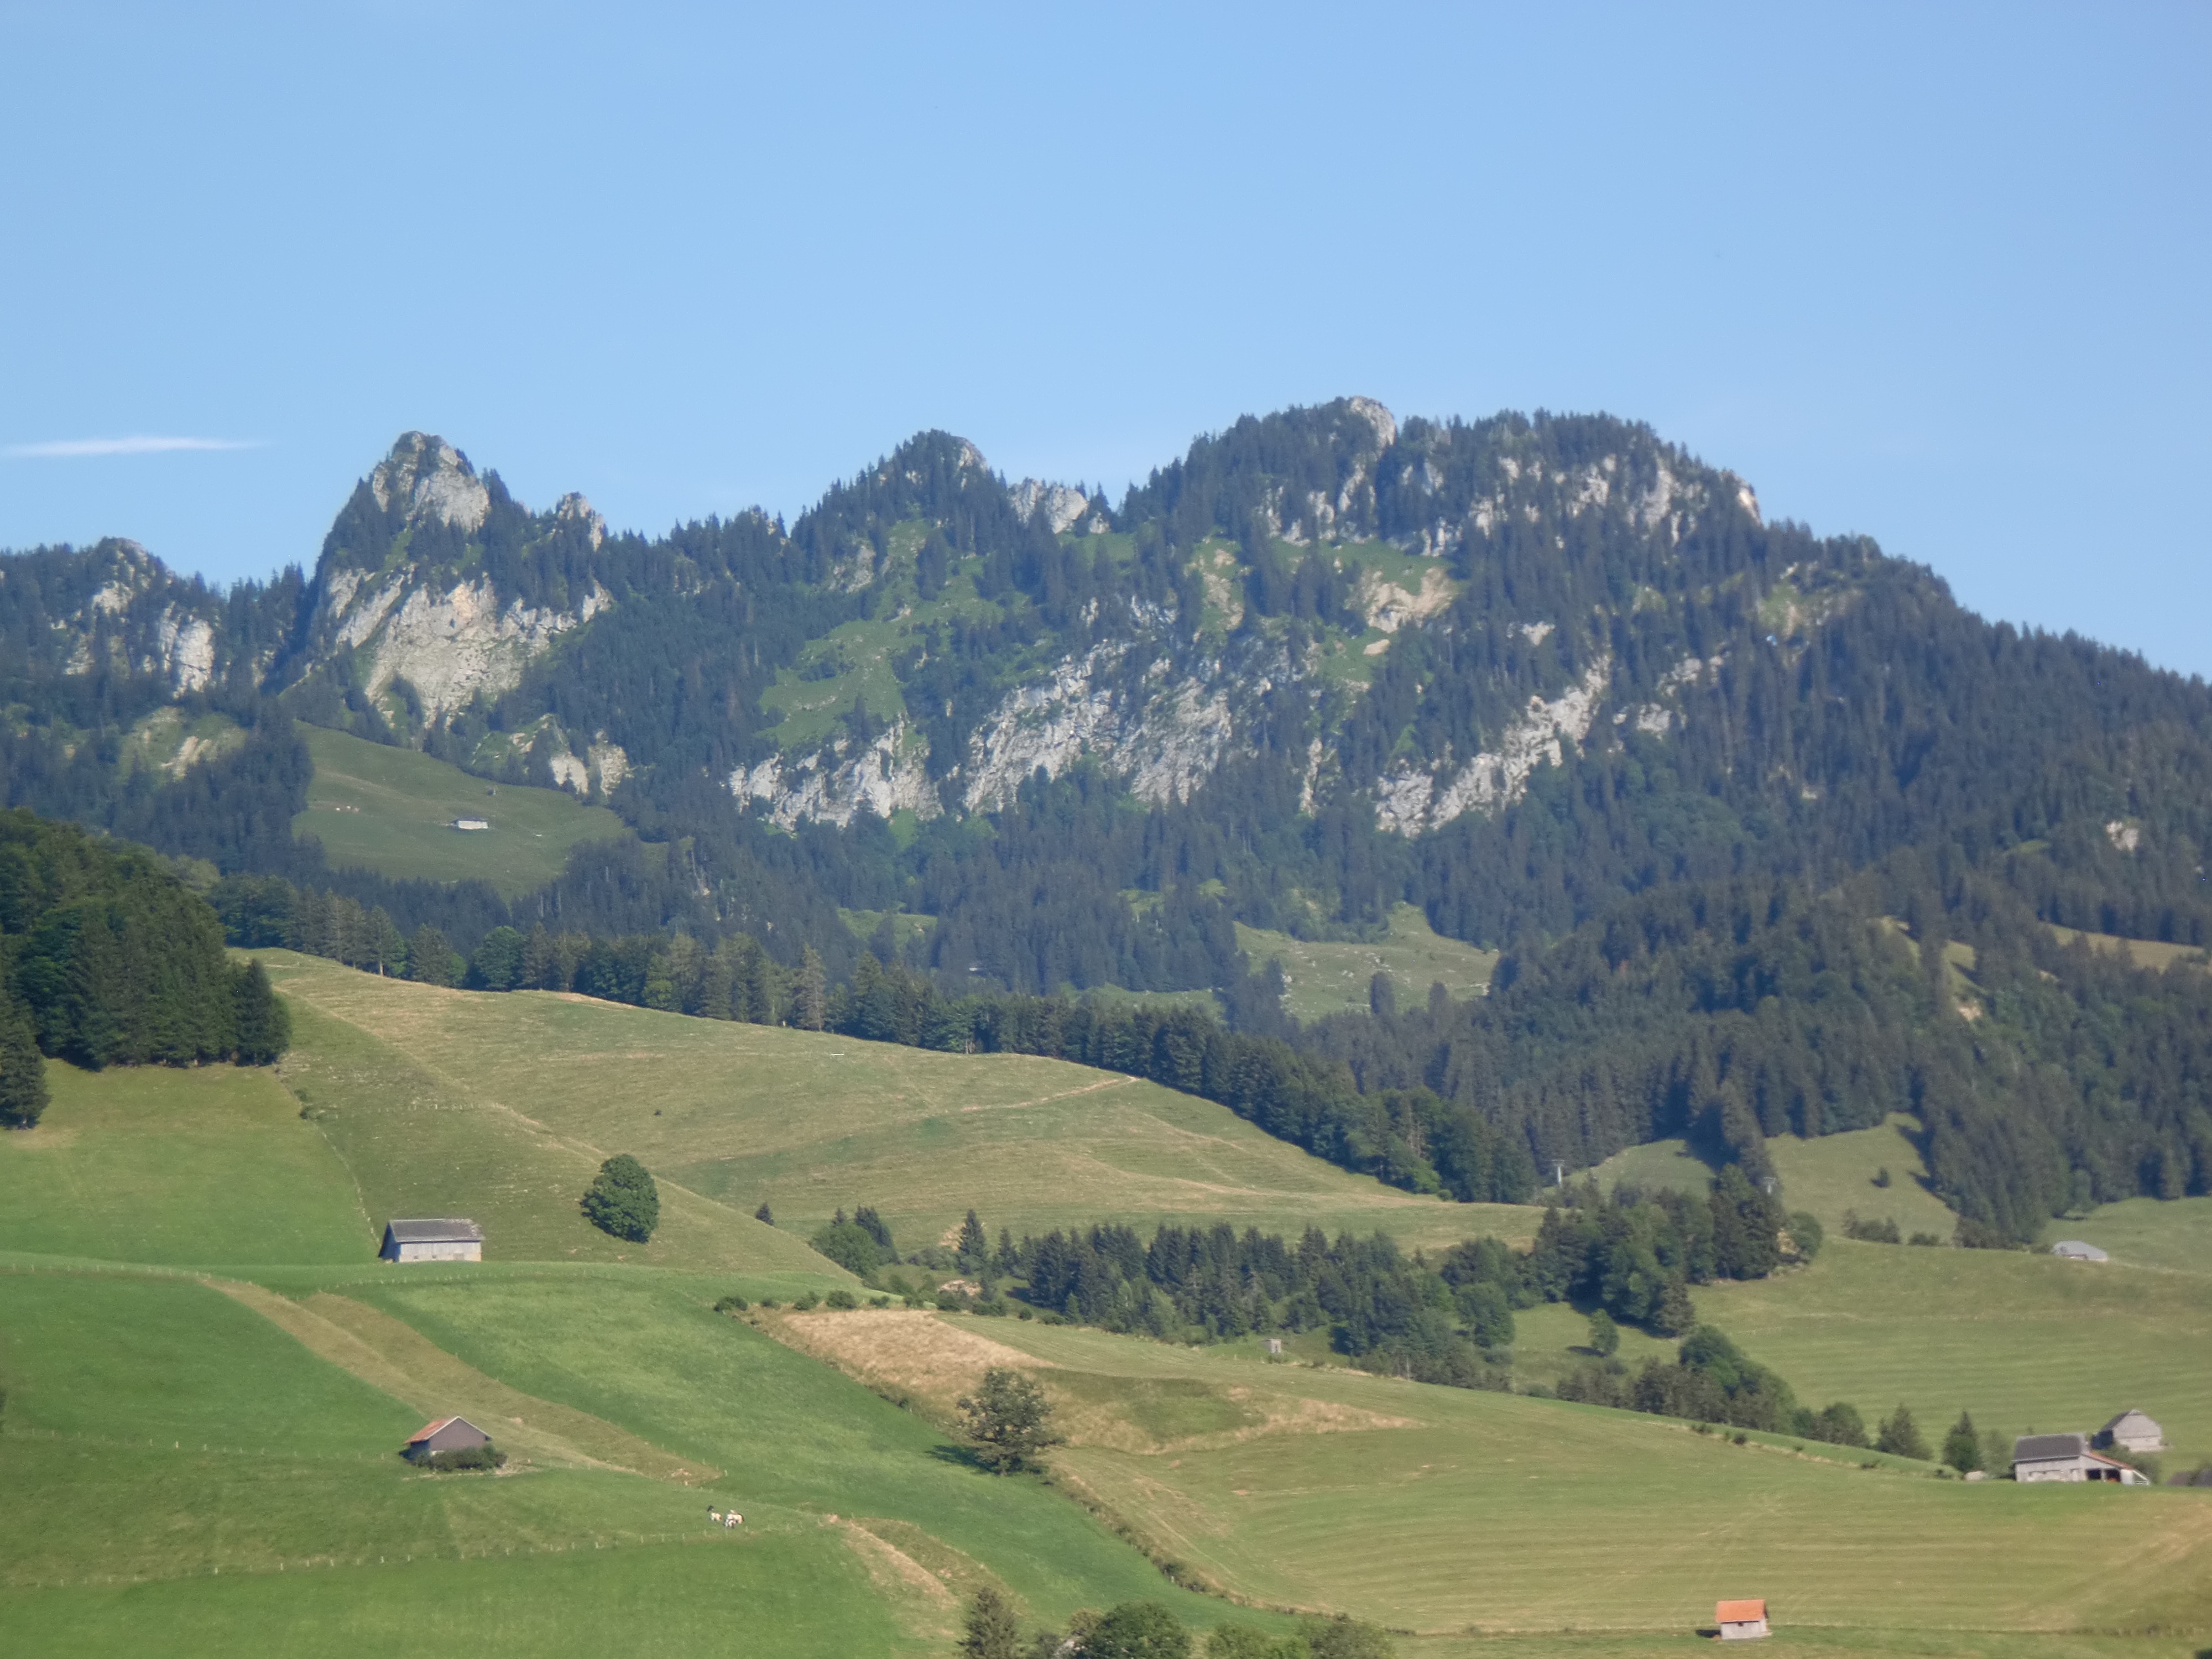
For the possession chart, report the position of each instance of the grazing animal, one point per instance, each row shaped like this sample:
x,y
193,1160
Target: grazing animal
x,y
734,1519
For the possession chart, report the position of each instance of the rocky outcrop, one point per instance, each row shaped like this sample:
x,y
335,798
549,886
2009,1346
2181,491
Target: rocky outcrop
x,y
1165,738
1061,506
831,786
430,478
1410,800
449,645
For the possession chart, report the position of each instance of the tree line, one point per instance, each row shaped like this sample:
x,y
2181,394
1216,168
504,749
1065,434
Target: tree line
x,y
107,958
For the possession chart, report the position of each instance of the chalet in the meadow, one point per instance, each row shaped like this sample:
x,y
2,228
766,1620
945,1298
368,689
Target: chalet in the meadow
x,y
2067,1457
432,1238
2073,1249
445,1434
2132,1431
1741,1621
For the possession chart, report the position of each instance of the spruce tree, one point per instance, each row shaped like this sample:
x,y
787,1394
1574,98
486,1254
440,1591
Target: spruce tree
x,y
263,1023
974,1248
993,1632
1962,1447
23,1068
1900,1437
813,993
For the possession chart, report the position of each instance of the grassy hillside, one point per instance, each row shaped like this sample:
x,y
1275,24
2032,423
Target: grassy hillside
x,y
2024,1341
502,1103
212,1457
2174,1234
1327,977
1285,1483
155,1164
1830,1176
391,810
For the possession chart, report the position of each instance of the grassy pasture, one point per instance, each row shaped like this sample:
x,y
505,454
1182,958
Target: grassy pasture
x,y
644,1351
1329,1488
1828,1175
157,1164
800,1592
2173,1234
418,1142
1329,977
503,1102
376,807
2021,1340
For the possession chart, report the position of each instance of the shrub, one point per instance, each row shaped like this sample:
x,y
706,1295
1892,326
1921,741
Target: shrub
x,y
951,1301
842,1301
1972,1234
623,1201
468,1460
1871,1232
1345,1638
730,1305
807,1303
1604,1334
1925,1239
1962,1447
1137,1629
880,1302
1805,1233
851,1246
765,1214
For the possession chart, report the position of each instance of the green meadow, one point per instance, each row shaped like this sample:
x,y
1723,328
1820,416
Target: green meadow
x,y
207,1376
376,807
522,1093
1447,1511
1324,977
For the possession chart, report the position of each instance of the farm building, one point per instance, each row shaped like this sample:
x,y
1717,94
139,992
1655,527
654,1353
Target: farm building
x,y
2132,1430
2067,1457
2073,1249
437,1238
1741,1621
471,823
446,1434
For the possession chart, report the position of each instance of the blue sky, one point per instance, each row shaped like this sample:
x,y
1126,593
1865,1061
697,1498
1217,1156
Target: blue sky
x,y
1934,273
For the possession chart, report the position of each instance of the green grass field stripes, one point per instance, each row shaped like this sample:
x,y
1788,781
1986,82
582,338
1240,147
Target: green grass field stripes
x,y
2023,1341
376,807
1576,1517
648,1354
807,1121
799,1593
211,1165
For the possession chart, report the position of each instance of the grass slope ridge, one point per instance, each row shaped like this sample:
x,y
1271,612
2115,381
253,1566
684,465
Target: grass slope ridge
x,y
501,1101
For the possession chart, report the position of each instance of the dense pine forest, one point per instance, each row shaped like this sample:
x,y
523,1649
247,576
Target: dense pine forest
x,y
1773,836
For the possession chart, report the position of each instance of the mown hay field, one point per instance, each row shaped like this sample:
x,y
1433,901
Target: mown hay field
x,y
805,1121
1447,1510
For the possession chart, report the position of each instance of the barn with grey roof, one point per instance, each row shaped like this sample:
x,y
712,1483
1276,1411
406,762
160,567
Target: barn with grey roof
x,y
432,1238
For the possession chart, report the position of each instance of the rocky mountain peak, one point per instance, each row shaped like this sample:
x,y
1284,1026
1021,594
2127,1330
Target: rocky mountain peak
x,y
573,509
430,479
1384,422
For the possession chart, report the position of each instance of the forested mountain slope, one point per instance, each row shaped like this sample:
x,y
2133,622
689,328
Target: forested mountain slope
x,y
1772,831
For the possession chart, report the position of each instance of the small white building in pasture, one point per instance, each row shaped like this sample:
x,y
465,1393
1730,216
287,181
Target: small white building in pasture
x,y
432,1238
2073,1249
2132,1430
471,823
1741,1621
2067,1457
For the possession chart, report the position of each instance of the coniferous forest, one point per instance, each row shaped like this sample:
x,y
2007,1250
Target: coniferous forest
x,y
1774,836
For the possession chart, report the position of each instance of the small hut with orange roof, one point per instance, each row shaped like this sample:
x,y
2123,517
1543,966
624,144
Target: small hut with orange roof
x,y
1741,1621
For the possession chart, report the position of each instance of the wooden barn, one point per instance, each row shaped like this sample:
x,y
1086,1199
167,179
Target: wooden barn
x,y
2073,1249
1741,1621
432,1238
446,1434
